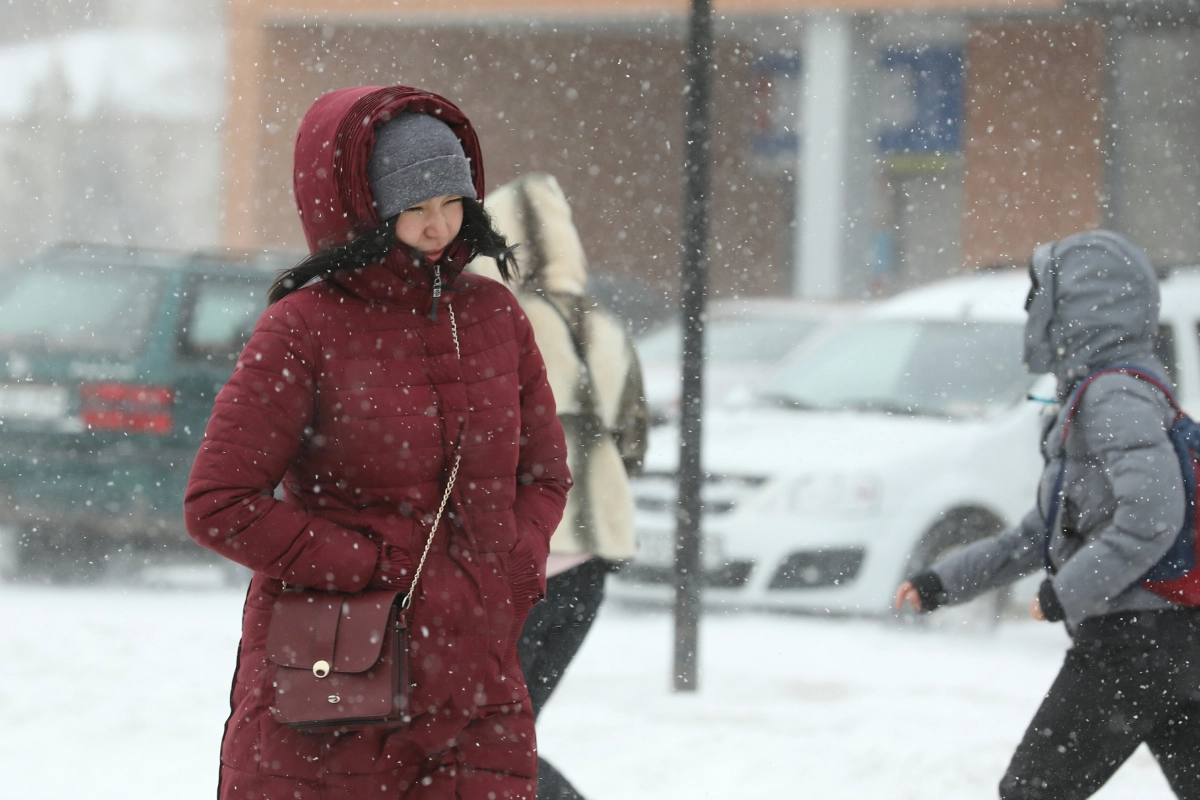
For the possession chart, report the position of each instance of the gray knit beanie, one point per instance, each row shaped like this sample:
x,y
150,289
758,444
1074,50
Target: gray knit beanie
x,y
416,157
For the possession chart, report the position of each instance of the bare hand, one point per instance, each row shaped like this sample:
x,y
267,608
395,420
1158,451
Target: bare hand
x,y
1035,609
907,593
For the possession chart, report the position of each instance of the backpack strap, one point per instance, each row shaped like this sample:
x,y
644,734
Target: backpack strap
x,y
1056,494
1124,369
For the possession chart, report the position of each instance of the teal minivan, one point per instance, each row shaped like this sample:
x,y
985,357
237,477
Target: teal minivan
x,y
109,363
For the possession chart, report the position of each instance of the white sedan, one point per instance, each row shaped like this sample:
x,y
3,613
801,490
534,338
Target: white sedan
x,y
743,341
883,443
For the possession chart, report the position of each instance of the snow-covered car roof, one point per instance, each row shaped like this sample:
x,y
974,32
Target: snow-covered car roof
x,y
1181,291
769,307
779,307
999,296
995,296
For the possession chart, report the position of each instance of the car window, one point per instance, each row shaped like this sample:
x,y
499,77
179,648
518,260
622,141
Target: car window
x,y
908,367
78,308
219,314
753,340
1164,348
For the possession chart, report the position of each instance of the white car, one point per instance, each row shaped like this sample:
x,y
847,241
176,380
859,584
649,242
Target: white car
x,y
883,443
743,341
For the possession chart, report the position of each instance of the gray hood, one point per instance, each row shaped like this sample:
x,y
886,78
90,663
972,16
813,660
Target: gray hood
x,y
1094,303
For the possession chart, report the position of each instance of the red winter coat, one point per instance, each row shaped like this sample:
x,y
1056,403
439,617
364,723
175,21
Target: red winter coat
x,y
355,403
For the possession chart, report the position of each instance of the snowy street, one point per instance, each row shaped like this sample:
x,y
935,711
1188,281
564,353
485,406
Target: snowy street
x,y
121,693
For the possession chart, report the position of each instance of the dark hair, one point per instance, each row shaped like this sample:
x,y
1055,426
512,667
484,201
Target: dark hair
x,y
478,232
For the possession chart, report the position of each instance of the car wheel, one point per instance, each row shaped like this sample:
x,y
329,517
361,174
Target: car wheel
x,y
957,530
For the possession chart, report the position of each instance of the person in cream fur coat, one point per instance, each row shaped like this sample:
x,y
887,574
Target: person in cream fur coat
x,y
597,384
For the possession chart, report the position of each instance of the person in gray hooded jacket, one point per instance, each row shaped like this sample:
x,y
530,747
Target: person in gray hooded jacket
x,y
1132,674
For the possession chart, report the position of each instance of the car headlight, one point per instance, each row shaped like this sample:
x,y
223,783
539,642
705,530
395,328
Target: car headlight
x,y
838,493
658,492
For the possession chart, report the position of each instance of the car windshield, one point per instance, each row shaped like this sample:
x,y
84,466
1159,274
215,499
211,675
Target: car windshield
x,y
945,369
754,340
77,309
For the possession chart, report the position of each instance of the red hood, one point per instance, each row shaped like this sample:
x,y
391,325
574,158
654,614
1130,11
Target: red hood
x,y
333,145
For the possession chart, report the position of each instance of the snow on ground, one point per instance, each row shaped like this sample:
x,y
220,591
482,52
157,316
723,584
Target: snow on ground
x,y
121,693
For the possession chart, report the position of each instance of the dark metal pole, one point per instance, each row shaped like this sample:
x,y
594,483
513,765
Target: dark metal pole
x,y
688,563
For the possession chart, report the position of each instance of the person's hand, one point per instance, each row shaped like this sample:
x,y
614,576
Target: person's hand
x,y
1035,609
392,570
907,593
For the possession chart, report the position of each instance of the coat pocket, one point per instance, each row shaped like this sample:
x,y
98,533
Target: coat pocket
x,y
527,577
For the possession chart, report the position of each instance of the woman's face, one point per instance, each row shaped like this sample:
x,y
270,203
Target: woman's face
x,y
431,226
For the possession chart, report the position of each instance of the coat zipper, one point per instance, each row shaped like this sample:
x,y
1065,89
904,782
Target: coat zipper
x,y
437,291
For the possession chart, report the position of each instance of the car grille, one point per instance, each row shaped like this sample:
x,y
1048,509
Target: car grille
x,y
658,492
817,569
730,576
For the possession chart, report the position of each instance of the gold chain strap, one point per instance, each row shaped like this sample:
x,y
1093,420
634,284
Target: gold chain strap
x,y
404,604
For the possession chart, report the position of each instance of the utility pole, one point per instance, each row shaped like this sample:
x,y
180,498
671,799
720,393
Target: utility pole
x,y
689,568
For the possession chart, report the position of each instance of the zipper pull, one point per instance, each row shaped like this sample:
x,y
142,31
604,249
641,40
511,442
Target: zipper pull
x,y
437,291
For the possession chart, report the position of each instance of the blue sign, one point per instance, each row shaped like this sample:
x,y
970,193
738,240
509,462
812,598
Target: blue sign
x,y
775,112
935,75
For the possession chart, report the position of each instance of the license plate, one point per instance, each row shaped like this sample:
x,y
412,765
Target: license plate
x,y
33,402
657,549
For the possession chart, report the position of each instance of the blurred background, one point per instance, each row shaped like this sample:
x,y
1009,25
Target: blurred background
x,y
881,171
953,134
859,151
862,154
112,123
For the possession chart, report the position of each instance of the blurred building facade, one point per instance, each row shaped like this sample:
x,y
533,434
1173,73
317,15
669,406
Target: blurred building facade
x,y
856,151
941,136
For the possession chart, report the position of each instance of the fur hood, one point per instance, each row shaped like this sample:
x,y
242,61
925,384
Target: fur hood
x,y
590,363
533,211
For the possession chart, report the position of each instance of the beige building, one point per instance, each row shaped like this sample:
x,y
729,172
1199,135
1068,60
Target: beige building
x,y
857,149
935,136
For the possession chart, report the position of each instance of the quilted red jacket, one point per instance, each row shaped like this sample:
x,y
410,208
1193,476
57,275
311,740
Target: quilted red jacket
x,y
355,402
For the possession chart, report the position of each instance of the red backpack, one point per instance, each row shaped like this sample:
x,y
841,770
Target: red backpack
x,y
1176,576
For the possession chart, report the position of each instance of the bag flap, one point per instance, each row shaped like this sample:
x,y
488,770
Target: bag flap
x,y
346,630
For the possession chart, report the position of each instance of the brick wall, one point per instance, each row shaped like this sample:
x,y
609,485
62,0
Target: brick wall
x,y
1035,136
601,109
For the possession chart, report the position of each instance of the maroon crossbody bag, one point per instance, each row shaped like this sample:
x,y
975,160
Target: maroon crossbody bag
x,y
340,661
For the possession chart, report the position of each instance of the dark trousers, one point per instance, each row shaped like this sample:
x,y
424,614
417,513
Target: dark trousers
x,y
1128,678
552,636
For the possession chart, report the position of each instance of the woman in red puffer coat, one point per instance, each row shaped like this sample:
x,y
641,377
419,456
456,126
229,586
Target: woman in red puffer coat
x,y
377,364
